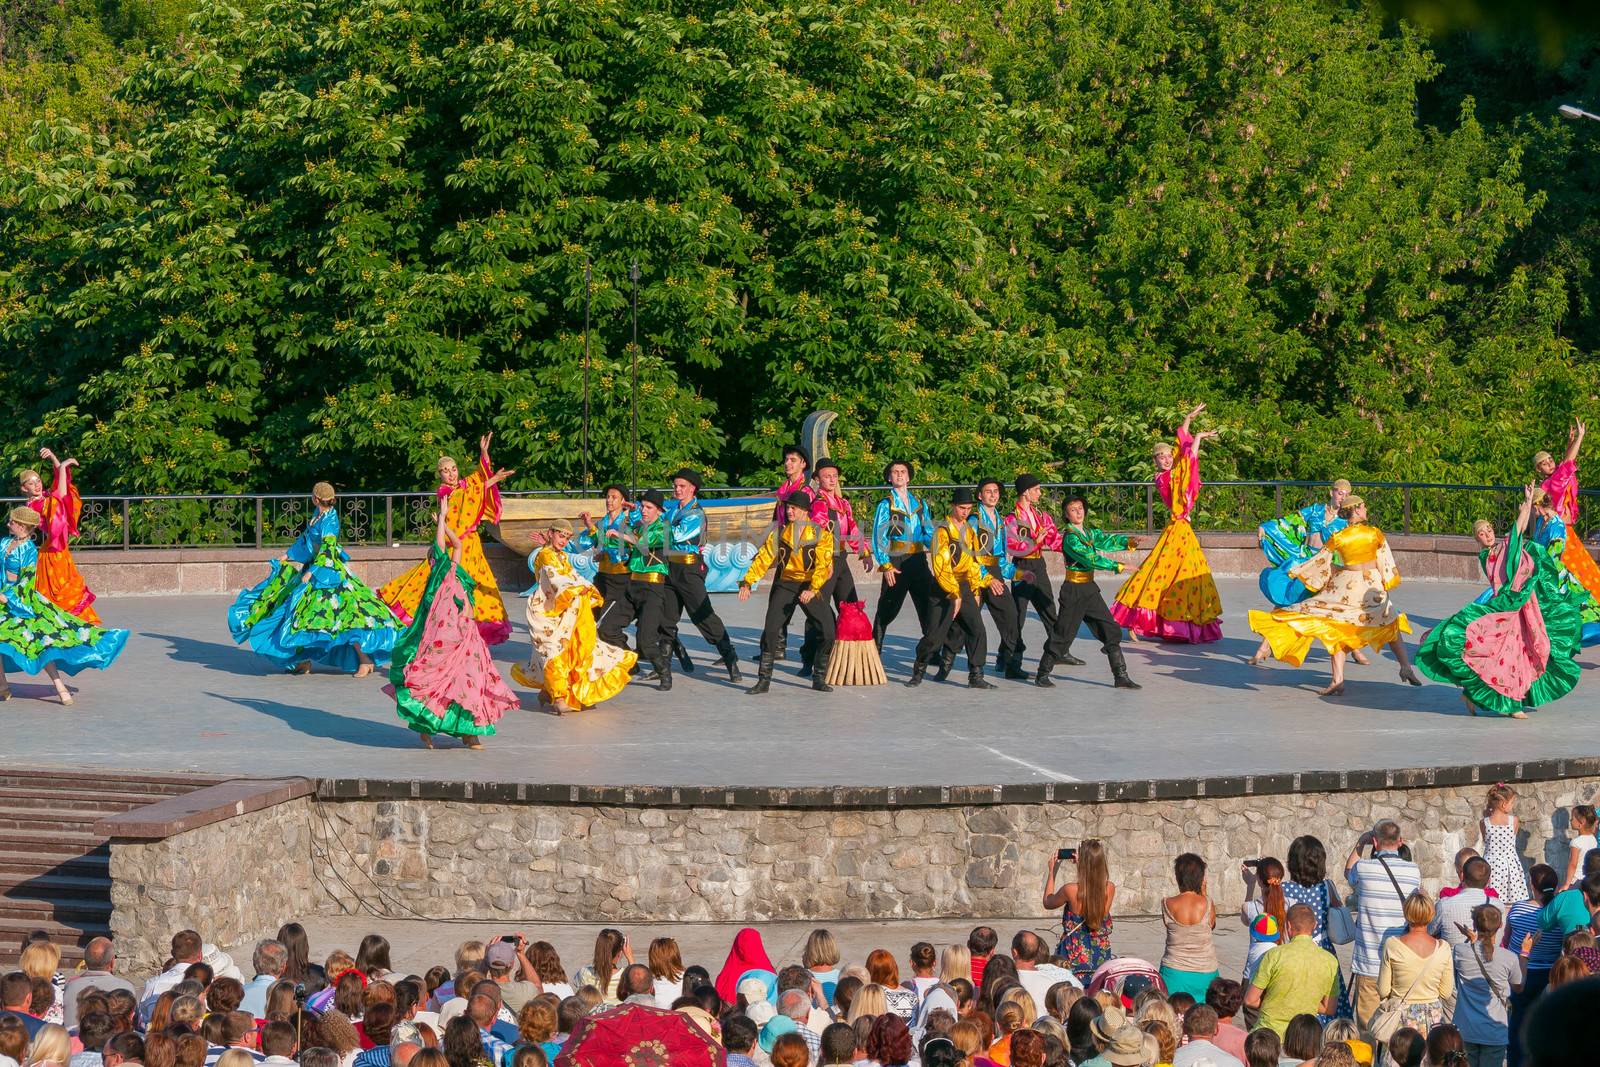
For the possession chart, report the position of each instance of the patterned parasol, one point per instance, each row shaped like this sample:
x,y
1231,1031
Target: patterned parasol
x,y
632,1035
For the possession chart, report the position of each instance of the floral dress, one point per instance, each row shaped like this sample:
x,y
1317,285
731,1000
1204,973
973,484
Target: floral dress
x,y
35,632
1083,949
1315,897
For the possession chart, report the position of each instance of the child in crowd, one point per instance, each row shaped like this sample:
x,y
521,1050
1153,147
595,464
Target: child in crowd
x,y
1583,822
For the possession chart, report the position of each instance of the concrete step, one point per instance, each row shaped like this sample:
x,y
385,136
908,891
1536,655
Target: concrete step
x,y
96,864
165,785
49,821
60,843
69,910
54,887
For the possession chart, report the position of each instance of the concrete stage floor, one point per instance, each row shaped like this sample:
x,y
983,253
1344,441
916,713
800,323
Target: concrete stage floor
x,y
183,696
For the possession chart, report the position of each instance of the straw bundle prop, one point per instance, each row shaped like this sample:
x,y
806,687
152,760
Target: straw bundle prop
x,y
855,656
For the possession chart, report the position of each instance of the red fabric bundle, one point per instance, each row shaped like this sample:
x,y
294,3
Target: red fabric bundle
x,y
853,622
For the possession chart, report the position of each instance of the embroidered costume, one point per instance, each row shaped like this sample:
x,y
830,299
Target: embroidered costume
x,y
1549,534
1172,595
1562,485
468,503
961,578
1349,609
644,596
319,612
834,514
36,633
1515,651
803,552
1085,549
569,664
1030,533
686,578
610,554
1287,542
59,580
902,531
994,554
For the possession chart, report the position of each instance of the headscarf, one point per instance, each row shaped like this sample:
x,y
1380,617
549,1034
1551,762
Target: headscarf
x,y
747,954
1589,956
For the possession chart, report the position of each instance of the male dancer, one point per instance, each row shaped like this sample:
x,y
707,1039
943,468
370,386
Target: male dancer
x,y
796,472
902,530
1029,534
989,542
803,552
1085,551
610,553
831,510
647,582
686,574
962,578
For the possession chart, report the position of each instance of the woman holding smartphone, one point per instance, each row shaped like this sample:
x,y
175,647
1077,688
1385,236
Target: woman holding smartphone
x,y
1085,908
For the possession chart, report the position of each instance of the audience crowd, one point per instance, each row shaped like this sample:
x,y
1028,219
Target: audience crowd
x,y
1491,971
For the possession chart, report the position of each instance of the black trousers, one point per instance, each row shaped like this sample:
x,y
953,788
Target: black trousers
x,y
840,588
686,591
1003,610
951,611
782,601
613,587
644,603
915,580
1082,603
1037,592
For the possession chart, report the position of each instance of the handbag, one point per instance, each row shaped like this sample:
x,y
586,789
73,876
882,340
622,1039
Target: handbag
x,y
1391,1013
1340,923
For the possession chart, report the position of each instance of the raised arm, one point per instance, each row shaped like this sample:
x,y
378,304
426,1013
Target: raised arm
x,y
1574,440
61,467
1189,418
1525,511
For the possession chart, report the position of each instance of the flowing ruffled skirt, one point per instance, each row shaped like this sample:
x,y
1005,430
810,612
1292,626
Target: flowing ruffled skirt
x,y
569,662
1290,632
1283,550
404,594
322,614
54,636
1172,595
60,581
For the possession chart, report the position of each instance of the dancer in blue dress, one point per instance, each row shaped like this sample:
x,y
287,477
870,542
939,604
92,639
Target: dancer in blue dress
x,y
35,634
1295,538
319,613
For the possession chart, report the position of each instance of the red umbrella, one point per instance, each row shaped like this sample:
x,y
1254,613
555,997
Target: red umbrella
x,y
632,1035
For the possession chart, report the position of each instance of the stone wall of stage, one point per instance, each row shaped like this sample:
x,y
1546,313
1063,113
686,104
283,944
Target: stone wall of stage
x,y
197,571
520,852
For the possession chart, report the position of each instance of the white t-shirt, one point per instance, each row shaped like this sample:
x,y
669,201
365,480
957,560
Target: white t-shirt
x,y
1583,843
667,991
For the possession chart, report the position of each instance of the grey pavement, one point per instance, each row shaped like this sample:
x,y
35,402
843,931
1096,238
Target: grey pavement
x,y
183,696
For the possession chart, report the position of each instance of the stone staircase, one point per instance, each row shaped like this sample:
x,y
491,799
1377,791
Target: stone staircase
x,y
54,869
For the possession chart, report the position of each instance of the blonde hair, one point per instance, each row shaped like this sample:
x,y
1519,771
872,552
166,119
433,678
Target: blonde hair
x,y
40,959
869,1000
1160,1011
1009,1016
323,493
955,962
1341,483
1161,448
469,955
967,1038
235,1057
22,479
1498,794
1482,524
1024,1001
1419,909
1341,1030
1542,457
821,951
50,1045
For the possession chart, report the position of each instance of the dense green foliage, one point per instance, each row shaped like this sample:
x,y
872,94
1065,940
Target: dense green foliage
x,y
337,237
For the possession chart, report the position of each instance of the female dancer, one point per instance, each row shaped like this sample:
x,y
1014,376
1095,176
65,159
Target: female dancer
x,y
465,502
1349,608
570,666
35,634
1295,538
444,681
59,580
1560,480
319,613
1514,651
1172,595
1547,531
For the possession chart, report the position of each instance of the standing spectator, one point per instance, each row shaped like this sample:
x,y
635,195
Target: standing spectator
x,y
270,960
1497,836
821,958
666,970
1308,883
1085,909
1538,953
1200,1026
1417,967
1381,882
981,943
1455,911
611,952
1487,977
1296,978
1189,962
1582,821
1225,997
99,960
1572,909
1268,917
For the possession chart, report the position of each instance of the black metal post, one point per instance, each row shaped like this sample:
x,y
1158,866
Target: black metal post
x,y
587,287
633,275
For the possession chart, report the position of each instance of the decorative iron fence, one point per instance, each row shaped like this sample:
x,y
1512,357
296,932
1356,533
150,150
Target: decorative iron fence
x,y
266,520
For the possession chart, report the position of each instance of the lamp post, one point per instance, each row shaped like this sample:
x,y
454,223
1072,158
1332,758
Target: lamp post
x,y
1571,111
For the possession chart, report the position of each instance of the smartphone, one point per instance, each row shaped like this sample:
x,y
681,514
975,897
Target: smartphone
x,y
1067,854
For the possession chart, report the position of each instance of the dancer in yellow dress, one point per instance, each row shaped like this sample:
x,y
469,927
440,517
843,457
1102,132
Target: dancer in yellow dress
x,y
570,666
1349,607
467,503
1172,596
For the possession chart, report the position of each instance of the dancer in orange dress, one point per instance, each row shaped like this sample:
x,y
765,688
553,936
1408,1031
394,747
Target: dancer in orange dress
x,y
467,502
1172,596
58,578
1560,480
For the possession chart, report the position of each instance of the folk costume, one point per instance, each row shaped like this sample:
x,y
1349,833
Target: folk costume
x,y
834,514
1287,542
1172,595
59,508
644,602
35,634
1084,550
568,663
1548,533
793,481
686,579
318,611
610,554
902,531
1562,485
1515,651
468,503
993,552
803,552
1030,533
961,578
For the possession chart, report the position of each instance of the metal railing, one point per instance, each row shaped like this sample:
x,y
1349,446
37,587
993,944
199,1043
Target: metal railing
x,y
262,520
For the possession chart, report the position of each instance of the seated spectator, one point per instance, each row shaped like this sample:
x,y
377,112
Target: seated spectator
x,y
94,1030
1455,911
553,977
187,949
16,1002
636,985
885,972
1226,997
99,961
1406,1047
924,961
821,958
1444,1047
1338,1054
277,1042
981,944
377,1029
269,961
126,1047
1200,1047
506,964
889,1041
789,1051
50,1047
1296,978
1345,1031
1263,1048
1302,1039
739,1038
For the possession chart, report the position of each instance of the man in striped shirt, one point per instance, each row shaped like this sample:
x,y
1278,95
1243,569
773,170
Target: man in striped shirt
x,y
1381,883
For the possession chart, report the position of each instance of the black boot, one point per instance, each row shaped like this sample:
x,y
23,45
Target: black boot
x,y
664,672
683,656
1119,671
807,665
763,676
947,662
819,673
1042,679
730,659
1069,660
975,679
918,669
1012,668
1000,661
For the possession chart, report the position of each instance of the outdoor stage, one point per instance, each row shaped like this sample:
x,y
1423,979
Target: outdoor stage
x,y
183,696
